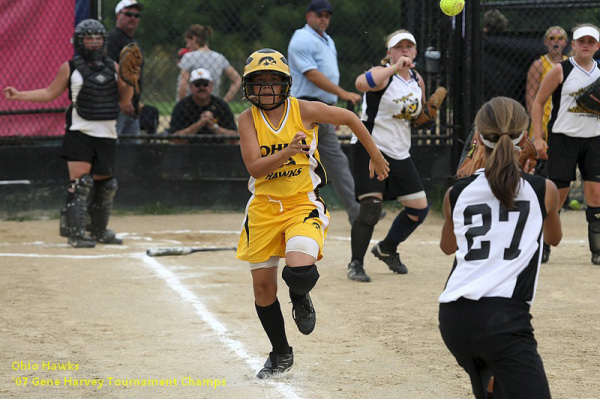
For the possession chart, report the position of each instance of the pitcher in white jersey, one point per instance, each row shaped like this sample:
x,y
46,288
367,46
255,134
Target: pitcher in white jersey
x,y
495,222
573,132
286,217
394,95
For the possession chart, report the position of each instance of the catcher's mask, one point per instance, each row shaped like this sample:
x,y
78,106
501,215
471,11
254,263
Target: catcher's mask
x,y
266,61
89,27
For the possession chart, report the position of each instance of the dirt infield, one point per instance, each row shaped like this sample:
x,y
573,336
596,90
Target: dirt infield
x,y
78,318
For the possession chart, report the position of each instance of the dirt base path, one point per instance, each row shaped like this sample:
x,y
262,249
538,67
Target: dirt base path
x,y
104,322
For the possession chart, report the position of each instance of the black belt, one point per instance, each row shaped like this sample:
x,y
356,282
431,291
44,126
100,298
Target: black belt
x,y
313,99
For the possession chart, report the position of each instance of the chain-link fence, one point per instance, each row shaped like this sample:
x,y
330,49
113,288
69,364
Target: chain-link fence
x,y
498,43
485,51
238,28
522,40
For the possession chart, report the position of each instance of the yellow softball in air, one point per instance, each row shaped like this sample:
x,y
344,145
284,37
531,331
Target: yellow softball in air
x,y
452,7
575,205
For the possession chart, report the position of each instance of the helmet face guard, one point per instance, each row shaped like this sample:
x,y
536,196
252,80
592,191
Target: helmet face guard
x,y
89,27
264,95
266,61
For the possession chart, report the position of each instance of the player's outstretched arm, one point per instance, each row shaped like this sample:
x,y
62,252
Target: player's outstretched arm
x,y
376,78
55,89
314,112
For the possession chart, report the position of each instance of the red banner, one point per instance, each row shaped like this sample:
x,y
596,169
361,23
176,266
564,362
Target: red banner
x,y
35,42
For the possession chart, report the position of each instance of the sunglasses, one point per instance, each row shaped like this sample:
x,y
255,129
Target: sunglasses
x,y
201,83
132,14
561,37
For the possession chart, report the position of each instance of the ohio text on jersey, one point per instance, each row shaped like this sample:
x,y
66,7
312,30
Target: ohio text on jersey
x,y
301,173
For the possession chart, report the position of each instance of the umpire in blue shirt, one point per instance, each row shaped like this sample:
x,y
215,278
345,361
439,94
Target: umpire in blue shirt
x,y
312,58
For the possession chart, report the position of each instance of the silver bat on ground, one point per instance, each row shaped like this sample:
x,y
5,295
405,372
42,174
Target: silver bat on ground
x,y
167,251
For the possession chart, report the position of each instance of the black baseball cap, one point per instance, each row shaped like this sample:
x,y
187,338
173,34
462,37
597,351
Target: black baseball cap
x,y
319,6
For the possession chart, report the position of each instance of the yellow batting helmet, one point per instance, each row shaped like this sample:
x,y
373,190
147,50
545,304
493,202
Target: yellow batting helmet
x,y
265,61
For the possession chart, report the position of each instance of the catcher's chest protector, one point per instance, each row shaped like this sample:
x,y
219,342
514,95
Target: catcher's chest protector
x,y
98,99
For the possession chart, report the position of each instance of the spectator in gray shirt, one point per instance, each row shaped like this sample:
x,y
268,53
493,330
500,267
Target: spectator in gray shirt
x,y
196,37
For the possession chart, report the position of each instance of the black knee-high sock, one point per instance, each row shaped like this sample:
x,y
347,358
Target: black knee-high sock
x,y
360,237
402,227
271,319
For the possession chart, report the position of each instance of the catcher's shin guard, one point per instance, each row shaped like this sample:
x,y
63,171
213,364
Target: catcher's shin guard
x,y
100,208
63,224
76,212
592,215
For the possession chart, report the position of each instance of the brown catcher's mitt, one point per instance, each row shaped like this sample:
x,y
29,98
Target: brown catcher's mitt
x,y
130,62
426,118
474,159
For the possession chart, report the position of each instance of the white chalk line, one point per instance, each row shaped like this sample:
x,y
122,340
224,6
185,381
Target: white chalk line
x,y
8,182
286,390
329,237
17,255
135,236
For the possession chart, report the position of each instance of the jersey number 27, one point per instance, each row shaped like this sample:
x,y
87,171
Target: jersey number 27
x,y
510,253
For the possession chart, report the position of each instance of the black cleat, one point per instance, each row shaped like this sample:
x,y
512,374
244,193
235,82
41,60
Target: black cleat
x,y
546,253
304,314
81,242
596,258
356,272
392,259
107,237
276,364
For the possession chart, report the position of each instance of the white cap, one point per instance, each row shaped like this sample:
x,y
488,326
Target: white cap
x,y
397,38
200,73
128,3
586,31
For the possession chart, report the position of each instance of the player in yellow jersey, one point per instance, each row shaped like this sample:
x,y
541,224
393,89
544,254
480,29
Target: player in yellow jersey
x,y
286,217
555,40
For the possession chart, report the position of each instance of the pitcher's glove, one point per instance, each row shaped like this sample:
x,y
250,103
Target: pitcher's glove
x,y
589,98
130,62
426,118
527,152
